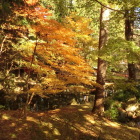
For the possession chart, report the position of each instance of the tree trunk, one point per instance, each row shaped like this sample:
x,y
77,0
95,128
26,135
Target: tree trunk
x,y
131,71
101,71
100,92
28,102
129,25
29,98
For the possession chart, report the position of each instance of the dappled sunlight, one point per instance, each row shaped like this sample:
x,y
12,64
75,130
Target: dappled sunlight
x,y
12,125
112,124
20,129
25,124
89,118
48,124
54,111
32,119
72,122
81,110
54,54
85,106
5,117
85,130
40,114
46,132
56,132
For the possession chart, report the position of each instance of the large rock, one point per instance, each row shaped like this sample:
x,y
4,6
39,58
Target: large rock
x,y
130,111
133,109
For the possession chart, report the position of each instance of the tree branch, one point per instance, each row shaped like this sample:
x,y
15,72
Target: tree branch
x,y
2,44
109,7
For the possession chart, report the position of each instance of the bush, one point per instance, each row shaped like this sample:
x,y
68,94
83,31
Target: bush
x,y
112,113
123,91
123,96
111,107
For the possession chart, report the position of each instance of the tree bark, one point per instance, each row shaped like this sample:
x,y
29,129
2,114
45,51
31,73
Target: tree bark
x,y
102,66
129,25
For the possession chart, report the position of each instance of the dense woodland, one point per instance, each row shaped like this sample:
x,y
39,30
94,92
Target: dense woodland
x,y
56,53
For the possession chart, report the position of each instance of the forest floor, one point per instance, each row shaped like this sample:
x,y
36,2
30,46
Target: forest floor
x,y
74,122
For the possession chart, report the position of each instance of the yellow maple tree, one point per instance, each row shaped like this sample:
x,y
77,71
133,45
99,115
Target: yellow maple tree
x,y
55,52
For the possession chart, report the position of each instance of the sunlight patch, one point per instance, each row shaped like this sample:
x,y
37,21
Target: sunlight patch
x,y
40,114
56,132
13,124
113,124
85,106
32,119
80,110
46,132
89,118
5,117
55,111
19,129
25,124
49,125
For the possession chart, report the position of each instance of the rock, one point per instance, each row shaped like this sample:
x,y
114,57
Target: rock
x,y
131,115
132,107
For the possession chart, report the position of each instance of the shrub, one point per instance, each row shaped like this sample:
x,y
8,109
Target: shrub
x,y
111,107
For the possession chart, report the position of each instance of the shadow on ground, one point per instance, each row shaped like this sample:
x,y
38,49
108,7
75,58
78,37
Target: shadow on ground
x,y
68,123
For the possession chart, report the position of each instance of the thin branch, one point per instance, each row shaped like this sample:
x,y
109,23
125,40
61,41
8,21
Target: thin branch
x,y
31,97
121,11
2,44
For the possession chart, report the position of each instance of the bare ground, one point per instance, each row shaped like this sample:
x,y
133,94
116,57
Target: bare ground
x,y
68,123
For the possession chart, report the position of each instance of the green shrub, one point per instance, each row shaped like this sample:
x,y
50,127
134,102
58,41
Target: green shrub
x,y
111,107
112,113
125,90
122,92
123,96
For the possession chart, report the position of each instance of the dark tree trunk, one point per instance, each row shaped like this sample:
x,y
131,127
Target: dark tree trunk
x,y
131,71
101,71
129,25
100,92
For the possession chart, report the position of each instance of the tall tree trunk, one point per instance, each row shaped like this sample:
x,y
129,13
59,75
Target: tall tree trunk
x,y
101,71
129,25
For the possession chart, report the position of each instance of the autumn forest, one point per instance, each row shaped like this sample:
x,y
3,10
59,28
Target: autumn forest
x,y
69,69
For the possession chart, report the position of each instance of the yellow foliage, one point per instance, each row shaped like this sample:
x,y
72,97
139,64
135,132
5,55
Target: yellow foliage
x,y
36,89
56,54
